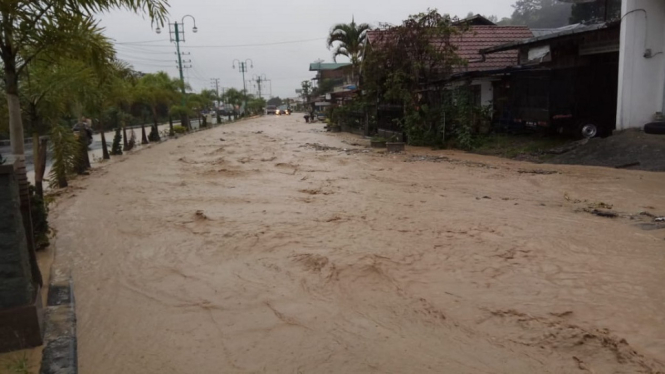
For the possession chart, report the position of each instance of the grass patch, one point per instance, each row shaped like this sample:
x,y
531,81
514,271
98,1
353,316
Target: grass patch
x,y
18,364
511,146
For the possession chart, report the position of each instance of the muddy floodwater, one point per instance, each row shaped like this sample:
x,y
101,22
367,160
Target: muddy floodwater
x,y
270,246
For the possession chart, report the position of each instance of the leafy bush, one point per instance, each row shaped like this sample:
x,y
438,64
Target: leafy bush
x,y
154,134
65,148
178,129
116,148
39,213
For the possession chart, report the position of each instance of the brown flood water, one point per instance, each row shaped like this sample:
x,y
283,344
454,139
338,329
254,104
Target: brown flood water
x,y
259,254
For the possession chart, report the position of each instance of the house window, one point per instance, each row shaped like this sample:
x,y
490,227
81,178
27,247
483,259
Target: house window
x,y
476,95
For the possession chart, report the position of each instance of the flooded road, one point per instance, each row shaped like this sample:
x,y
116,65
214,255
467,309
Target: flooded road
x,y
269,246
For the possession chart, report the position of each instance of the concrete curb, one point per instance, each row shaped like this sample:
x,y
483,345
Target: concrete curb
x,y
60,354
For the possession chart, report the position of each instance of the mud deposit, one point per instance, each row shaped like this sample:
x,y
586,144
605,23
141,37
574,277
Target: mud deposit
x,y
261,254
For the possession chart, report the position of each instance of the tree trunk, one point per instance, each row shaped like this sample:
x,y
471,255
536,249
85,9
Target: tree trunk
x,y
184,119
105,148
83,163
39,156
155,123
144,138
18,151
125,144
171,132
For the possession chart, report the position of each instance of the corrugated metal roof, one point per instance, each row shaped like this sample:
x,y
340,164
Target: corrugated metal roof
x,y
479,37
562,32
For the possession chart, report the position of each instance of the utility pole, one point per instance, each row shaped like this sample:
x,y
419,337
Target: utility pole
x,y
215,85
175,36
242,66
260,81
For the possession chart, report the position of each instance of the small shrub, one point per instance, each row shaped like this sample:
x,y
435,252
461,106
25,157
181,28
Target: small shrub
x,y
116,148
132,140
178,129
154,134
64,148
39,213
18,365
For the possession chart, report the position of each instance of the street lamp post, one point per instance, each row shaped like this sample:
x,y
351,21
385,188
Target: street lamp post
x,y
177,36
242,66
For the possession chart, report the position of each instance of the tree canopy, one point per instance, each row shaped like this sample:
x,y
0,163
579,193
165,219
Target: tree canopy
x,y
276,101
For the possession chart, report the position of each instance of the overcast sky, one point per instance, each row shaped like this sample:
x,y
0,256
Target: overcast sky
x,y
225,25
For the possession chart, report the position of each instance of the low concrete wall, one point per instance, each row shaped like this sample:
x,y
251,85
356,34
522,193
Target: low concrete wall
x,y
20,304
352,130
16,287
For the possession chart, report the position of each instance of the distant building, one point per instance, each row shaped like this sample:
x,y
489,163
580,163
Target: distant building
x,y
565,80
481,71
334,80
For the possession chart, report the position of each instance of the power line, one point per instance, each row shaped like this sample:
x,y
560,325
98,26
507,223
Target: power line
x,y
238,45
144,41
148,64
142,50
141,58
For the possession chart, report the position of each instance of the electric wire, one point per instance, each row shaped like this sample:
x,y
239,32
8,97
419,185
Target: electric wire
x,y
236,45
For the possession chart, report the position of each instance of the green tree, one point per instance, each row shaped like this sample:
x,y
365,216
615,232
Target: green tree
x,y
52,89
64,147
402,61
233,97
201,101
116,148
541,13
276,101
29,29
597,11
350,39
256,105
155,90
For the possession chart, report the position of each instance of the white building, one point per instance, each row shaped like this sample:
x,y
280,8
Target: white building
x,y
641,63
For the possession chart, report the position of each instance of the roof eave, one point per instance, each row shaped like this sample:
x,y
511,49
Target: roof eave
x,y
537,39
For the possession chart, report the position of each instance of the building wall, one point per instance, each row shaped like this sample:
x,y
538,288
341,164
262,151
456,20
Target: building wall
x,y
486,91
641,80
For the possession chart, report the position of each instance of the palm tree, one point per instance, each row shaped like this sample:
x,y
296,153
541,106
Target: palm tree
x,y
31,29
50,89
155,90
111,87
350,39
234,97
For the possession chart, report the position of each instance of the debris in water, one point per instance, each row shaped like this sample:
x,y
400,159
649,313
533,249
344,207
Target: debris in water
x,y
628,165
200,215
449,160
601,213
538,171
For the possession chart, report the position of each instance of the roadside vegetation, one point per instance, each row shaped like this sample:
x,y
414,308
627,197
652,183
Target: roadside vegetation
x,y
59,69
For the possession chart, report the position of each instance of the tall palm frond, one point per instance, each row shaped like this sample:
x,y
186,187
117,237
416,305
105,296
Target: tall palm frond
x,y
351,40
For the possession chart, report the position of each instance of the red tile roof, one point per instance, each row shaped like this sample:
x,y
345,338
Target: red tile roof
x,y
479,37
